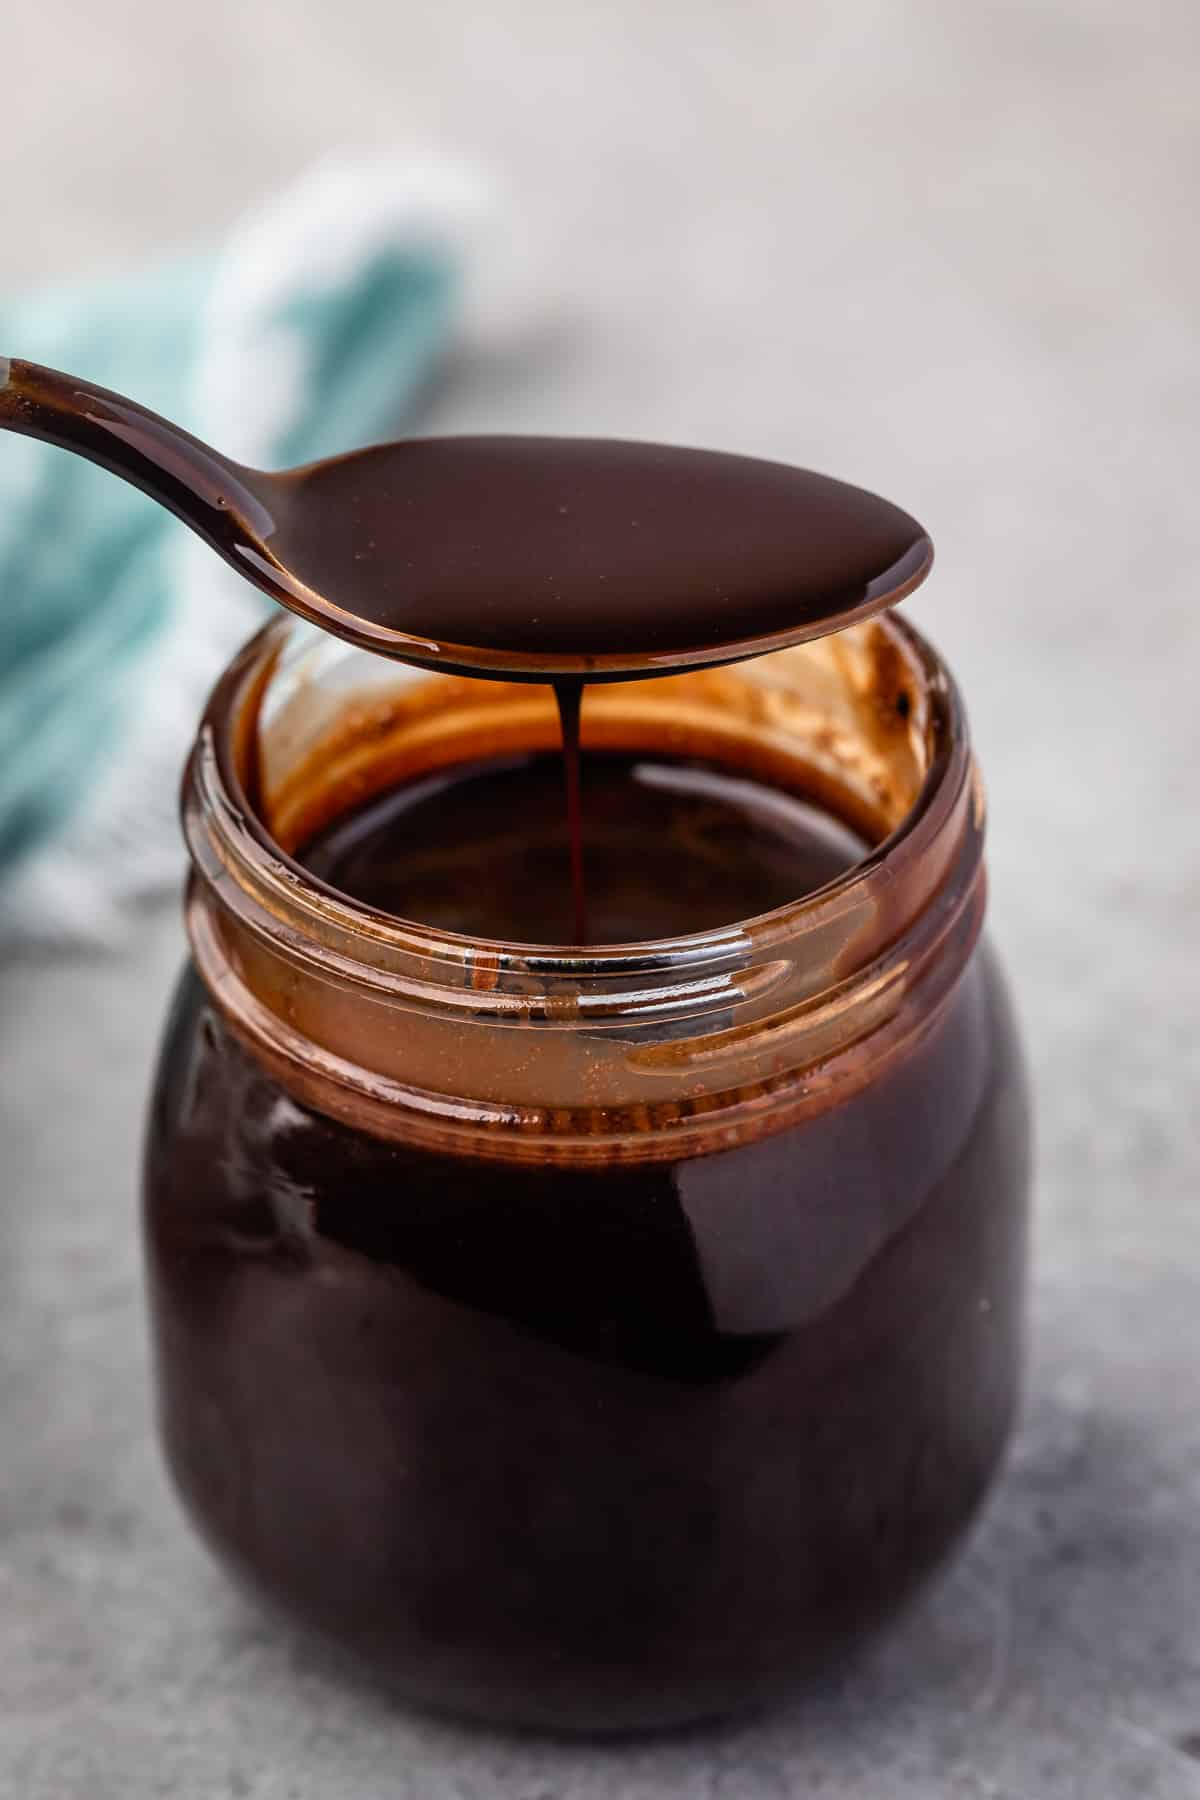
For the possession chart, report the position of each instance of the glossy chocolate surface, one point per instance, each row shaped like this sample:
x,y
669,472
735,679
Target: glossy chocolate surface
x,y
589,548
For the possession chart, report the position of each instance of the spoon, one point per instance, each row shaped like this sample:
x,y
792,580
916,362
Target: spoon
x,y
529,559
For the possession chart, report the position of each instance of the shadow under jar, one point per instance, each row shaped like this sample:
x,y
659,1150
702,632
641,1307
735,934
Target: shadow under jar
x,y
598,1339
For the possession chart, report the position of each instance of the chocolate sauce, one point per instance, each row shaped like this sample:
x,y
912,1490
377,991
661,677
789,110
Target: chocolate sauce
x,y
675,846
576,550
568,695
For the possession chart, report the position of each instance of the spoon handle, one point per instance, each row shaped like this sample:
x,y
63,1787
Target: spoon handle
x,y
206,490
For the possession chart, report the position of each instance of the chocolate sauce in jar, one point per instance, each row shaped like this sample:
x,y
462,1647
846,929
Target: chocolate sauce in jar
x,y
604,1340
583,1413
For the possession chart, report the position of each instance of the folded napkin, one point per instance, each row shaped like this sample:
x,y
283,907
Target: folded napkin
x,y
311,331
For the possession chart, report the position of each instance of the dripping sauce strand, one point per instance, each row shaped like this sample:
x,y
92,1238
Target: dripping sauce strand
x,y
568,692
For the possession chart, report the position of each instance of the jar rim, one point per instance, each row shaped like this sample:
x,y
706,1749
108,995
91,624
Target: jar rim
x,y
619,1050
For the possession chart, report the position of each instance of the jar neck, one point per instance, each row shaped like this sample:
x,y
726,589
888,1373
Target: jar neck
x,y
542,1052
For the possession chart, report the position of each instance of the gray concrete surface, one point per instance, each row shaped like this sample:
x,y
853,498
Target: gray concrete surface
x,y
948,251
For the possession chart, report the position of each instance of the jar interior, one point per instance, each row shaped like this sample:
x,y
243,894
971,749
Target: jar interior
x,y
842,722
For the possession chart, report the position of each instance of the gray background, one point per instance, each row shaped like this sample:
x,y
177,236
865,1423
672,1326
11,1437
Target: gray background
x,y
945,250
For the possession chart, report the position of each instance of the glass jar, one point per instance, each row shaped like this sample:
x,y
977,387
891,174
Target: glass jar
x,y
595,1339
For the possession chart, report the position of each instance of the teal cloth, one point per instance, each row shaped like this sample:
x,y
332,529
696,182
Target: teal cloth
x,y
85,560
